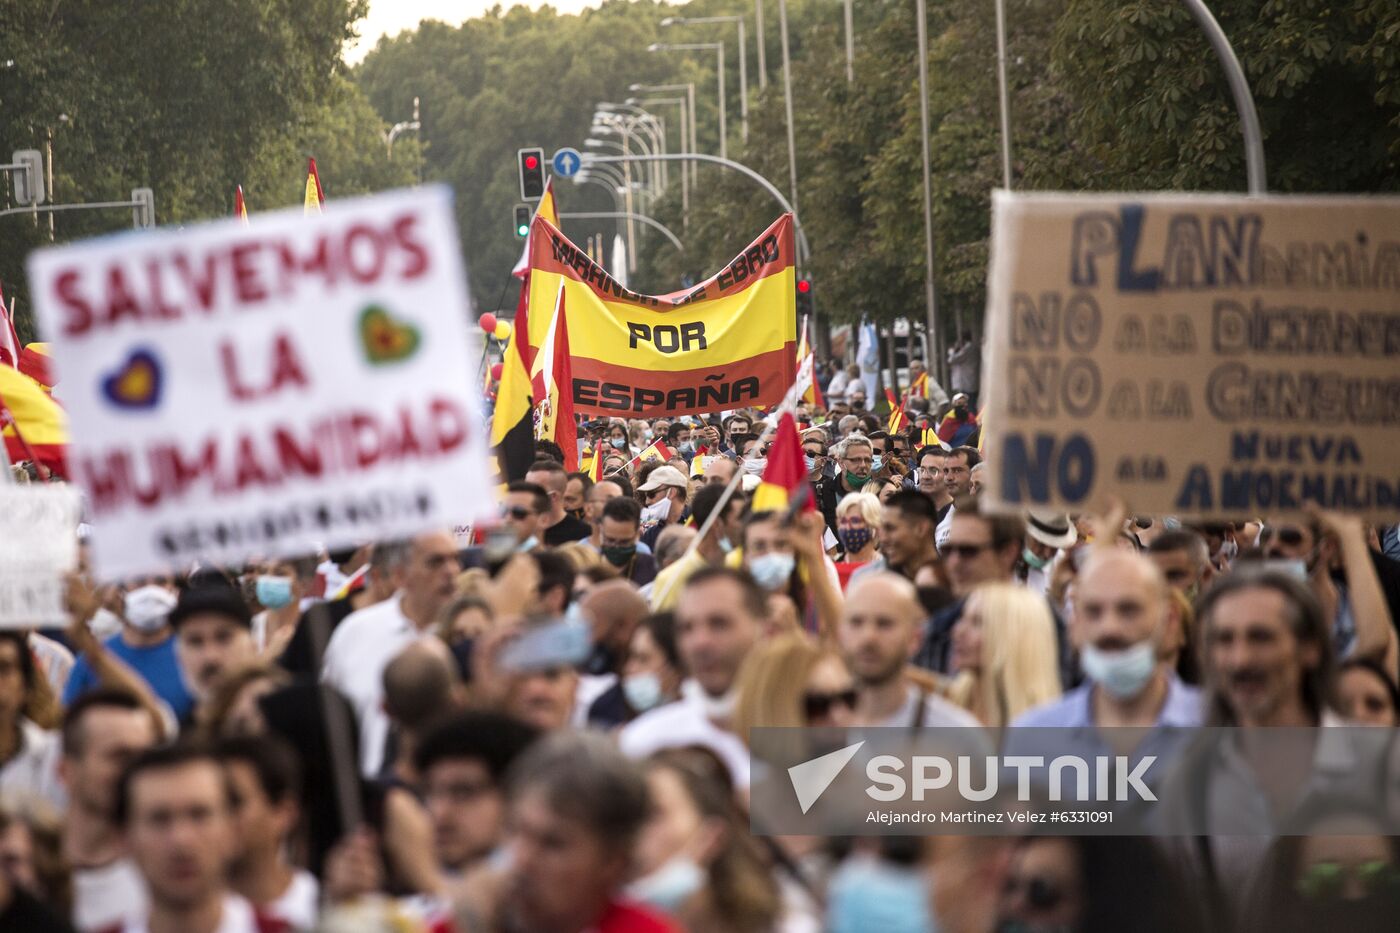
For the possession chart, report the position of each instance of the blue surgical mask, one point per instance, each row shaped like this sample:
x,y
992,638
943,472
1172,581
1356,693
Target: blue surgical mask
x,y
273,592
811,462
687,447
529,544
1124,674
876,462
878,895
773,570
619,443
670,886
643,691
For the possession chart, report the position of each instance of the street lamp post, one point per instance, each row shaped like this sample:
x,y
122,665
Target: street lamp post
x,y
743,60
402,127
690,107
685,175
787,99
718,48
939,362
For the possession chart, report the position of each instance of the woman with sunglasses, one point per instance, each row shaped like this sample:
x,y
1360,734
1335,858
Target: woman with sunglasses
x,y
1339,873
1004,654
791,681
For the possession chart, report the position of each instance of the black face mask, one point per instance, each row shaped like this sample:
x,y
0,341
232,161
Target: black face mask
x,y
934,598
576,514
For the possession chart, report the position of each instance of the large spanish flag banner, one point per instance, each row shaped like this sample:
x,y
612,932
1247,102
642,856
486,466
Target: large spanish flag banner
x,y
729,342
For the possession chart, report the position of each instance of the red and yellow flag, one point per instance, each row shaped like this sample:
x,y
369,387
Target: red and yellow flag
x,y
786,471
35,363
729,342
896,413
315,195
34,426
657,451
551,375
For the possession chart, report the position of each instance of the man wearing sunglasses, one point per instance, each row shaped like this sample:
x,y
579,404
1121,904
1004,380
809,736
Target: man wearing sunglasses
x,y
1332,553
524,513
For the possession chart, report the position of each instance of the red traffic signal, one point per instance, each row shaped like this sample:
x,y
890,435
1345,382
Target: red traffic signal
x,y
804,286
531,164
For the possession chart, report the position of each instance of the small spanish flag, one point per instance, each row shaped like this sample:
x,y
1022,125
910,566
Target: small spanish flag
x,y
786,471
315,195
896,413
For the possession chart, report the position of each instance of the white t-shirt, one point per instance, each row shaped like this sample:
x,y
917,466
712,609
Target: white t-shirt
x,y
940,536
683,723
33,771
236,917
107,895
359,650
937,712
299,904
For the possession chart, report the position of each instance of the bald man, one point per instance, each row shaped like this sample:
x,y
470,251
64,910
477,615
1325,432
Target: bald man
x,y
614,609
1127,631
421,686
880,630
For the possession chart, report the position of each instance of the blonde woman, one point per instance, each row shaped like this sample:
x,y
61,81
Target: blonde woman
x,y
791,681
1004,654
858,528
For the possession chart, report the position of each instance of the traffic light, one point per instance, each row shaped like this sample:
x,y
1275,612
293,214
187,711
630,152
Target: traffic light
x,y
531,173
523,213
804,296
28,177
143,208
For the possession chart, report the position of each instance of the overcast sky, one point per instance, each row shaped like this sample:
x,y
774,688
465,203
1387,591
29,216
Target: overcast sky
x,y
390,17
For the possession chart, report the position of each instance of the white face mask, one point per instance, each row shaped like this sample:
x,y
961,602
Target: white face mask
x,y
657,512
146,607
1124,674
643,691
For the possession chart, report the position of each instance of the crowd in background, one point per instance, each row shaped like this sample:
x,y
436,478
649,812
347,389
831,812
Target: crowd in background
x,y
544,725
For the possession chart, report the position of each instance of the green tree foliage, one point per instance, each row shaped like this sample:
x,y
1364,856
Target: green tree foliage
x,y
187,97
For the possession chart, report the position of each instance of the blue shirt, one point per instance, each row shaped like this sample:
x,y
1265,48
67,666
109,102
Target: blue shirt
x,y
156,664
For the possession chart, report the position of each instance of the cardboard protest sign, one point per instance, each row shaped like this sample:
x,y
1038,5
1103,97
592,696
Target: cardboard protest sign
x,y
728,342
1195,355
38,546
267,388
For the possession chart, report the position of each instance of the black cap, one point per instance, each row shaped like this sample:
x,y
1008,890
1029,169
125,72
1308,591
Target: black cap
x,y
211,597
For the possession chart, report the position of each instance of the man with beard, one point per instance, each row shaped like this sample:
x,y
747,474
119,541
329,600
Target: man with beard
x,y
213,635
957,477
880,630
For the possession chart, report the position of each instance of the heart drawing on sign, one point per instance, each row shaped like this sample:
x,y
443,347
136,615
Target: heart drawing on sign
x,y
386,340
137,384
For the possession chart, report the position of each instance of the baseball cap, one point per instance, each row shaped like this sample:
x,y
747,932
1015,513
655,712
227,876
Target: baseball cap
x,y
664,476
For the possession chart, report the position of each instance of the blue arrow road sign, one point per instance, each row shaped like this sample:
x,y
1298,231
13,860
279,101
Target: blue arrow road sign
x,y
567,162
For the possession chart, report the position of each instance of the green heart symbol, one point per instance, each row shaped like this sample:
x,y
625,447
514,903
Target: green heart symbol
x,y
385,339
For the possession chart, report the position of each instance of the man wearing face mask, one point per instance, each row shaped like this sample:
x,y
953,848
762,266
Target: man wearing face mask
x,y
678,439
1047,535
665,491
1122,624
619,529
146,644
855,459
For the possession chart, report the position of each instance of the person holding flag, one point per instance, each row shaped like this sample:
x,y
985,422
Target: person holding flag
x,y
959,424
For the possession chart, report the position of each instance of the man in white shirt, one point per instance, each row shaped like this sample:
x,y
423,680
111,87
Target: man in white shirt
x,y
425,571
719,620
881,628
957,476
262,773
174,810
102,731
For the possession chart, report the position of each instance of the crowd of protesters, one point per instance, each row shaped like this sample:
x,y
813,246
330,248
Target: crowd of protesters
x,y
545,725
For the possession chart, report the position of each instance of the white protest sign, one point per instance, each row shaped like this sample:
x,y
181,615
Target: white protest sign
x,y
38,546
1196,355
237,390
